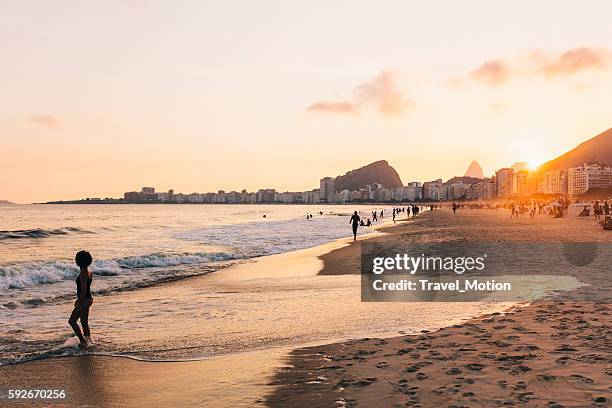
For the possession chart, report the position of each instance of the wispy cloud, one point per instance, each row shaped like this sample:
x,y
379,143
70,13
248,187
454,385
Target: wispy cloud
x,y
576,60
44,120
492,73
339,107
538,64
381,93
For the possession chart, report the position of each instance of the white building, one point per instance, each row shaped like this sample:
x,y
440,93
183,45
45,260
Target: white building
x,y
327,190
594,175
505,182
432,190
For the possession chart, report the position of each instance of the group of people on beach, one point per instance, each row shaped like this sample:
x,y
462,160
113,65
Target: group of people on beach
x,y
356,221
556,208
414,209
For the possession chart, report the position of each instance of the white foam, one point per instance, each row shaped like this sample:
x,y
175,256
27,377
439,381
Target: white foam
x,y
32,274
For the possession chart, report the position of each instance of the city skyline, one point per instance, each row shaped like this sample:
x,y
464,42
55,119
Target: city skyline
x,y
516,182
200,96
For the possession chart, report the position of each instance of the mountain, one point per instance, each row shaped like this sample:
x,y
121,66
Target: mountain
x,y
6,202
598,148
377,172
474,170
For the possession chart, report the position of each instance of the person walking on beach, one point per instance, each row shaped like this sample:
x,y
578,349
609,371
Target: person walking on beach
x,y
394,215
84,300
355,221
597,210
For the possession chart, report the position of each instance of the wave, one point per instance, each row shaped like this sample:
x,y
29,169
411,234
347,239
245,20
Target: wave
x,y
254,239
39,233
33,274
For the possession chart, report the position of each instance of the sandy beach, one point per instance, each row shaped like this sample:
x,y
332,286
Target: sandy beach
x,y
553,351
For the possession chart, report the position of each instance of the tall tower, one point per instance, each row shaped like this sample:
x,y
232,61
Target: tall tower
x,y
327,190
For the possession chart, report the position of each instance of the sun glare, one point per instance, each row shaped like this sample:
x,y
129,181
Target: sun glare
x,y
534,164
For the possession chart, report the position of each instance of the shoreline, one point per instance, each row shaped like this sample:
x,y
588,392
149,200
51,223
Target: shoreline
x,y
267,381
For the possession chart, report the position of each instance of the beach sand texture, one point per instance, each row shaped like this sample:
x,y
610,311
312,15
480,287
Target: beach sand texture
x,y
553,353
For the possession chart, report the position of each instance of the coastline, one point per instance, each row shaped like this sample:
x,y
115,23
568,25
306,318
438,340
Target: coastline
x,y
260,376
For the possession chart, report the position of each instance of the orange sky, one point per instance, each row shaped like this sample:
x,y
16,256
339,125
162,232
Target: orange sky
x,y
98,99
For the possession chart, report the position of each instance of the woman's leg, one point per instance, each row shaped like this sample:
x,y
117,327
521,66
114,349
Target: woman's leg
x,y
74,316
85,319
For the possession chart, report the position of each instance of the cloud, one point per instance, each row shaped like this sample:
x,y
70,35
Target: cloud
x,y
576,60
332,107
44,120
492,73
380,92
538,64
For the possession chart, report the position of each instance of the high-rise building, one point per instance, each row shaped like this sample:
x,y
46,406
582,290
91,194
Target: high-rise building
x,y
266,195
327,190
581,179
553,182
148,190
505,182
432,190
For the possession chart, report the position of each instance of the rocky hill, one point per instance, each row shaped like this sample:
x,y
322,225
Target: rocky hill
x,y
596,149
474,170
377,172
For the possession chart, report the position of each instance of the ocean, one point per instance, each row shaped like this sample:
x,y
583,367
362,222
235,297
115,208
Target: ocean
x,y
135,247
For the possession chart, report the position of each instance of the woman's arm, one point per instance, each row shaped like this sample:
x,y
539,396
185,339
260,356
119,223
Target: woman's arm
x,y
83,283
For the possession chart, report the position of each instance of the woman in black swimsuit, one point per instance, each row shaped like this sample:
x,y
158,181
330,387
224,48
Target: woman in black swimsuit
x,y
84,299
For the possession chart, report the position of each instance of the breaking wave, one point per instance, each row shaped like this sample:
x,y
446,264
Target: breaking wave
x,y
33,274
39,233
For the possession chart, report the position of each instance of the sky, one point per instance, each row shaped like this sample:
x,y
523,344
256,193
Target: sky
x,y
102,97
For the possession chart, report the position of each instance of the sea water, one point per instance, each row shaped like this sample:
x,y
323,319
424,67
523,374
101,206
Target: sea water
x,y
135,248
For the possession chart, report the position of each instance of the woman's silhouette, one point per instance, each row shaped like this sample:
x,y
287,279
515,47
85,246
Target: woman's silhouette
x,y
355,221
84,300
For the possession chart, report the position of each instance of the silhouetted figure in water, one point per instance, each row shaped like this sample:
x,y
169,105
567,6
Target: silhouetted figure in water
x,y
355,221
454,208
84,300
369,223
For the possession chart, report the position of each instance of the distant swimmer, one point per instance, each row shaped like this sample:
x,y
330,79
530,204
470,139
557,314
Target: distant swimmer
x,y
355,221
264,215
84,300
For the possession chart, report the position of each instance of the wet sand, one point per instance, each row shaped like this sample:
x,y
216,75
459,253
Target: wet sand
x,y
374,372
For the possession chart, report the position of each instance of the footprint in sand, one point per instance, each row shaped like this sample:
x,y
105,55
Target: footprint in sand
x,y
474,366
582,378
